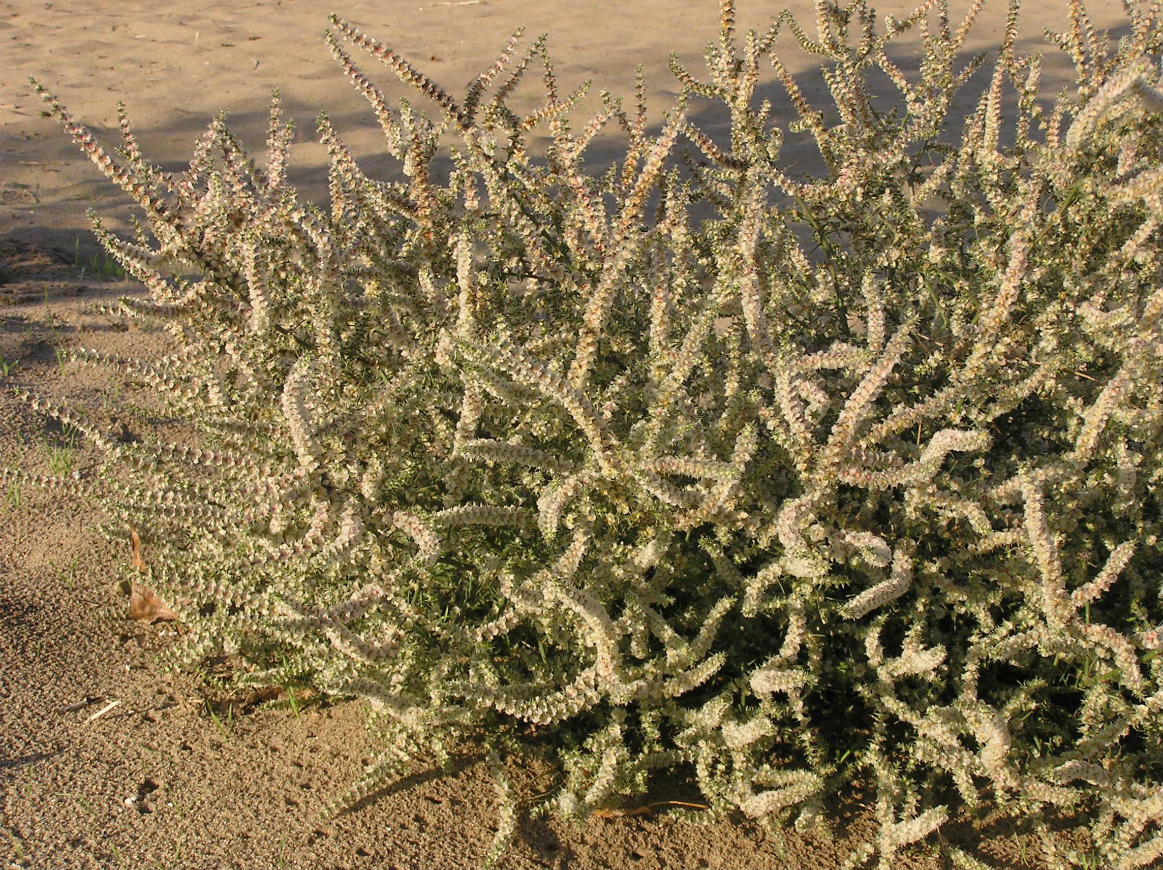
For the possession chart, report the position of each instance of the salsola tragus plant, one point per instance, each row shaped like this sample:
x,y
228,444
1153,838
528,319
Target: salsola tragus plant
x,y
853,479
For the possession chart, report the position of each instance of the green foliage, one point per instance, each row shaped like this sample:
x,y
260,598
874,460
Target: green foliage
x,y
856,478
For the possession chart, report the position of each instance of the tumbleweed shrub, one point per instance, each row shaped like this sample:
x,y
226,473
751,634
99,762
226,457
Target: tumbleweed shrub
x,y
852,481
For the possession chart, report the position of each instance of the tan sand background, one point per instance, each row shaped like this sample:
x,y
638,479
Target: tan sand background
x,y
156,780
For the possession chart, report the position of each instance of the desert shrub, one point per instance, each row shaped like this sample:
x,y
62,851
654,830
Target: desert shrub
x,y
851,479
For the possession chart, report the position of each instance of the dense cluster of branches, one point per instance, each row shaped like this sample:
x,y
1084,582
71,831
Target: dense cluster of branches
x,y
856,477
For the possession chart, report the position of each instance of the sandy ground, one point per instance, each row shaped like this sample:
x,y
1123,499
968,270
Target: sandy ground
x,y
156,780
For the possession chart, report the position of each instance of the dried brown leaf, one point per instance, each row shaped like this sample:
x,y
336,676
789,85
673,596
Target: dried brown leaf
x,y
144,604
